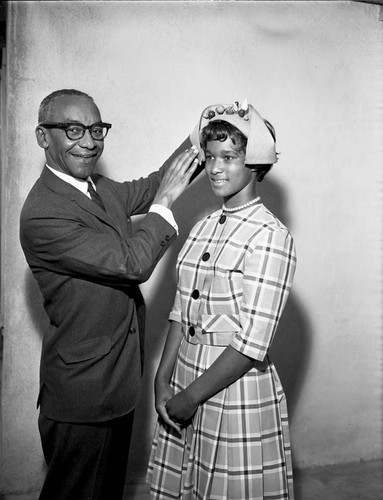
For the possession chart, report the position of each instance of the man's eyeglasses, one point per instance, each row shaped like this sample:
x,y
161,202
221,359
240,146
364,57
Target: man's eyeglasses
x,y
76,131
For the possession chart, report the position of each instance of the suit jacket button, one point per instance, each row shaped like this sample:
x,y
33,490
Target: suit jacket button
x,y
206,256
195,294
132,330
191,331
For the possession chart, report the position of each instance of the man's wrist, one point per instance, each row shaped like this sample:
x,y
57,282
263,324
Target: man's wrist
x,y
165,213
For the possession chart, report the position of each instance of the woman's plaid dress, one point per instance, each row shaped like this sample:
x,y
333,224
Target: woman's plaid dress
x,y
234,275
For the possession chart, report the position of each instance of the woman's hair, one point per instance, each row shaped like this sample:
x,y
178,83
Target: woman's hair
x,y
219,130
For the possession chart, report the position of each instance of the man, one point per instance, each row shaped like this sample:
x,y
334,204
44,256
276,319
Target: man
x,y
77,237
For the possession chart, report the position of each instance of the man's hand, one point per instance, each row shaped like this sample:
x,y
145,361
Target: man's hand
x,y
177,177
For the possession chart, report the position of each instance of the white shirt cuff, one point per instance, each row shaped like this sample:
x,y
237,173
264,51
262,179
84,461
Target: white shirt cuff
x,y
165,213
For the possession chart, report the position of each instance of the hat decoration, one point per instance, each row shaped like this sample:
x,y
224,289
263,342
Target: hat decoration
x,y
260,149
220,109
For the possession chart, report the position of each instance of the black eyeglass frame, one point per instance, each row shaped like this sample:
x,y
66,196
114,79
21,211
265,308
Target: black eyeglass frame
x,y
65,126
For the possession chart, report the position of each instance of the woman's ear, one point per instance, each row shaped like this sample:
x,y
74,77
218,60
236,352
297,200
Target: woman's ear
x,y
41,137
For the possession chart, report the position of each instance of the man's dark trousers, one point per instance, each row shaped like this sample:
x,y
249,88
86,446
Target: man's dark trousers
x,y
85,461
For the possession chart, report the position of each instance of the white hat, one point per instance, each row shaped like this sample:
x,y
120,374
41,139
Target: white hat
x,y
260,149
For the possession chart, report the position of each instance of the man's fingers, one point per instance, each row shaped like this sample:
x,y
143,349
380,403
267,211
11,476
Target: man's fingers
x,y
185,159
187,166
181,164
192,168
177,177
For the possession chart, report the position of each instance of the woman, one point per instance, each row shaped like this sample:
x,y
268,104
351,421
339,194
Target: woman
x,y
223,430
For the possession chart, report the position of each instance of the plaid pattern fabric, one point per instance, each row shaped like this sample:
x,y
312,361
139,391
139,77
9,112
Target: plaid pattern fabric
x,y
235,273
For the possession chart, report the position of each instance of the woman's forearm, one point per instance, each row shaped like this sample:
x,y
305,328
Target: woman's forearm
x,y
225,370
169,354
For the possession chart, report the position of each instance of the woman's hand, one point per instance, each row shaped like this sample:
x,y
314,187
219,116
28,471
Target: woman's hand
x,y
226,369
163,392
181,407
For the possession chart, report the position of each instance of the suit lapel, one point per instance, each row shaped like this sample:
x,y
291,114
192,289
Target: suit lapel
x,y
63,188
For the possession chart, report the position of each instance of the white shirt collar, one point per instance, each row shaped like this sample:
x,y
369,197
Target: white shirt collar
x,y
80,184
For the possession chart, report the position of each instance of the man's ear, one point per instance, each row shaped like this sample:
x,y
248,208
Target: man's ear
x,y
41,137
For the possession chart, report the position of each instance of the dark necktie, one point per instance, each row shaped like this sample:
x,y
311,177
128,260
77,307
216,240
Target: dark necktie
x,y
95,196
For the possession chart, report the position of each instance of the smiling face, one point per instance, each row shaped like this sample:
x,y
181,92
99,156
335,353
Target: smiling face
x,y
77,158
229,178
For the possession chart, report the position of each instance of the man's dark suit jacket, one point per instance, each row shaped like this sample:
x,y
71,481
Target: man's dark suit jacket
x,y
88,265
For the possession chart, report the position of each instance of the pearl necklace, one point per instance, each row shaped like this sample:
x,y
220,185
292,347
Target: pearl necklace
x,y
241,207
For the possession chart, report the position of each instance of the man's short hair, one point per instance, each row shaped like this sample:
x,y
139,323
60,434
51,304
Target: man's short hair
x,y
47,102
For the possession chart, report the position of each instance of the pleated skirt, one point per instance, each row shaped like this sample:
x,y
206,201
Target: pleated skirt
x,y
237,446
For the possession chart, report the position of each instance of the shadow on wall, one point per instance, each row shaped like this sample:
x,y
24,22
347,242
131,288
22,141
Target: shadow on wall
x,y
291,347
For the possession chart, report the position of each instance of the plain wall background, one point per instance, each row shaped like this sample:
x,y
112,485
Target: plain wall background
x,y
314,70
